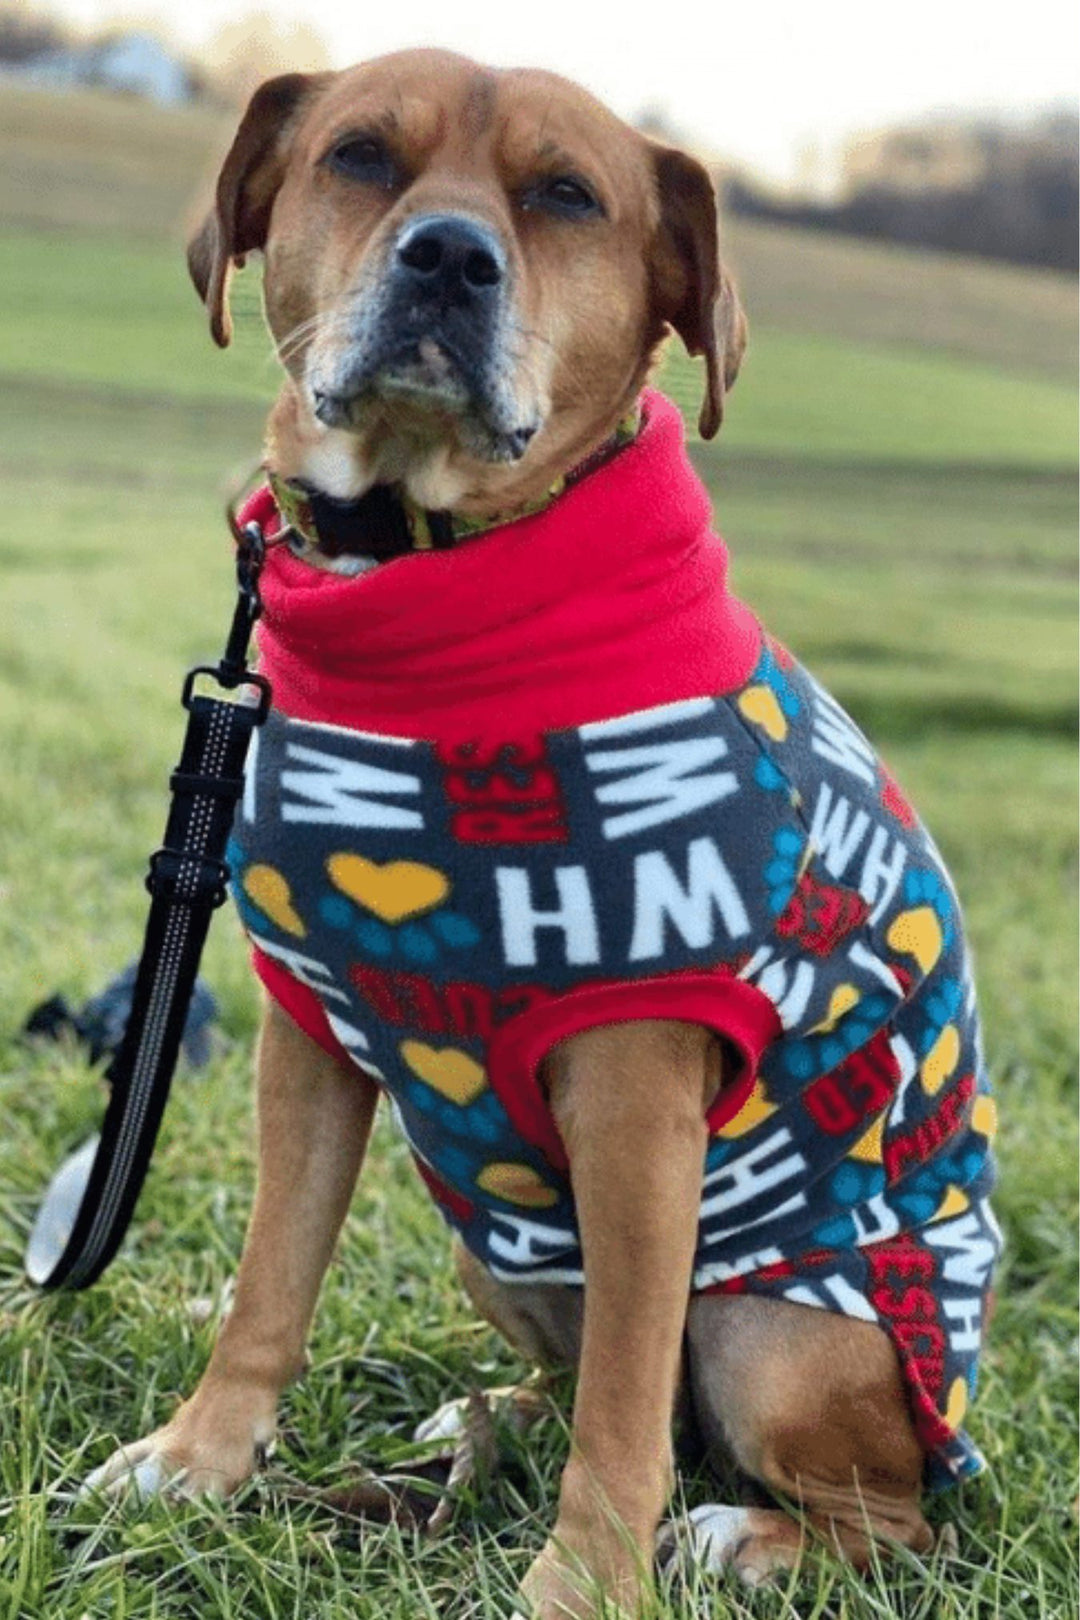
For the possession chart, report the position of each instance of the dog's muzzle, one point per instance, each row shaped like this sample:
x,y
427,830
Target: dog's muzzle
x,y
432,333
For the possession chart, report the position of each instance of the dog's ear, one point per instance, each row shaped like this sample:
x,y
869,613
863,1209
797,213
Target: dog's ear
x,y
692,291
246,188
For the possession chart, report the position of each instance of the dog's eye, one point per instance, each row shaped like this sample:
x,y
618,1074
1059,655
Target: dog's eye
x,y
562,194
364,157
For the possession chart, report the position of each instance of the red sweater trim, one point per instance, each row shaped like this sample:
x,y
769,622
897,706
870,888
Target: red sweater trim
x,y
738,1012
612,599
301,1003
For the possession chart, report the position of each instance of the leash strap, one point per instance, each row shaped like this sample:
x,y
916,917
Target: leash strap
x,y
188,880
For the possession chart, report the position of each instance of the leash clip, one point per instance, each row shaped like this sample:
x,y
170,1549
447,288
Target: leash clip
x,y
232,671
250,555
229,679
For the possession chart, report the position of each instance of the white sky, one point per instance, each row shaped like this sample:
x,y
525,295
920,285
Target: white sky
x,y
756,80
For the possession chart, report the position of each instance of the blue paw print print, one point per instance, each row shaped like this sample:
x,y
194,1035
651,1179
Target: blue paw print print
x,y
770,673
966,1165
782,872
941,1006
483,1120
719,1150
838,1233
421,943
769,777
919,1195
818,1054
924,887
236,861
851,1183
854,1182
453,1163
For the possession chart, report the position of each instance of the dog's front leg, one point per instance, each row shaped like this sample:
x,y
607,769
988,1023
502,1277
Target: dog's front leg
x,y
630,1103
315,1117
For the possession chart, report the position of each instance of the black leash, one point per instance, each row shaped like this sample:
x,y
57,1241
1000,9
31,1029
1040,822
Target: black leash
x,y
187,880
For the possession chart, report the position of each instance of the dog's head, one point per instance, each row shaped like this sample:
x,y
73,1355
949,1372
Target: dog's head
x,y
467,273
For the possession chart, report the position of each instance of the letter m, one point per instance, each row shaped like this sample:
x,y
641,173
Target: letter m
x,y
658,778
968,1244
346,792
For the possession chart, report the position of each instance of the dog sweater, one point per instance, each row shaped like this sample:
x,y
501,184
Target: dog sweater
x,y
558,778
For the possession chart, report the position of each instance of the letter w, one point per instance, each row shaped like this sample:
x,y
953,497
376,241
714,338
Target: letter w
x,y
836,833
660,897
661,782
338,791
836,737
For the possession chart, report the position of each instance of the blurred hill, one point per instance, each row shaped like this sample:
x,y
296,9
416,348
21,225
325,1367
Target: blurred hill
x,y
986,185
85,161
88,162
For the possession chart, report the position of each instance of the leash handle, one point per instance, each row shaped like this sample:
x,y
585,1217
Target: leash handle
x,y
188,880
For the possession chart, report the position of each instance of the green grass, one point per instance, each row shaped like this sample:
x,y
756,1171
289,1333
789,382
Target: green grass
x,y
807,393
897,481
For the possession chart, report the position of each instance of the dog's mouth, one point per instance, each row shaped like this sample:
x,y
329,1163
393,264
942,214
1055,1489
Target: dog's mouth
x,y
422,374
426,390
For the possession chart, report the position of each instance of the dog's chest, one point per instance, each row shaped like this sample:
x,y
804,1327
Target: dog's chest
x,y
741,861
504,870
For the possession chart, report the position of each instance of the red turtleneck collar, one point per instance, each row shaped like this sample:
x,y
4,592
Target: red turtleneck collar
x,y
612,599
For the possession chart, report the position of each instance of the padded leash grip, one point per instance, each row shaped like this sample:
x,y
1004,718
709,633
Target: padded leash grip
x,y
90,1201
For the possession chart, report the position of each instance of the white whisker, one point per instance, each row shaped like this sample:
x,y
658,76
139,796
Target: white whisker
x,y
329,321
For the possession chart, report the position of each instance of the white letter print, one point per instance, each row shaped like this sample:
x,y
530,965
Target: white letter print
x,y
338,791
520,918
656,776
659,897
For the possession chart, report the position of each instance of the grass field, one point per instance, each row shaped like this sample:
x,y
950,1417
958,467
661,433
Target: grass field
x,y
897,481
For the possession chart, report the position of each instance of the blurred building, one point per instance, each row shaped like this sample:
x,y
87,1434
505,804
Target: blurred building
x,y
127,64
934,157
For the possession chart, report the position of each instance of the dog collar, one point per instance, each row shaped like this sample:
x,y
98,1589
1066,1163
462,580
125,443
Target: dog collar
x,y
351,537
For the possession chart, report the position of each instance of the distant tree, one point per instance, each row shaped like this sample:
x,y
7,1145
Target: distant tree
x,y
985,187
256,47
27,34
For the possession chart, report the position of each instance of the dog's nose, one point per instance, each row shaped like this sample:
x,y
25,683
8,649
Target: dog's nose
x,y
449,254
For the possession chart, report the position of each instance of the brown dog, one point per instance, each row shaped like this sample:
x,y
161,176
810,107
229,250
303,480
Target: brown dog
x,y
468,274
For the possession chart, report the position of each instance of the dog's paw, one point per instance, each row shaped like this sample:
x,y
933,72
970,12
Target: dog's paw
x,y
190,1457
139,1468
590,1568
559,1586
144,1470
758,1544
